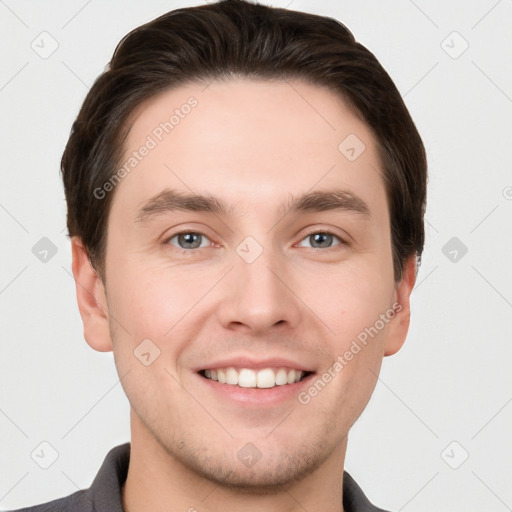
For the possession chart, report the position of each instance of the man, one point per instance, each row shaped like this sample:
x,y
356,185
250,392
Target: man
x,y
245,192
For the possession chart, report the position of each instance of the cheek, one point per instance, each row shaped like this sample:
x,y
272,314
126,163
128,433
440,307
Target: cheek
x,y
160,304
350,299
150,300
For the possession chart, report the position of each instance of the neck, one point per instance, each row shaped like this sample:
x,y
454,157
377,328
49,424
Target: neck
x,y
158,482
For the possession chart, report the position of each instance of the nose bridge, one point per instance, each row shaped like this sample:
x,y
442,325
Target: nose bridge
x,y
258,293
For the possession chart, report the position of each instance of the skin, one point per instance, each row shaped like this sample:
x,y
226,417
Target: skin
x,y
251,143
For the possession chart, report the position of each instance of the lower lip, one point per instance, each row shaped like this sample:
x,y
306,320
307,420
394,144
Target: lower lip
x,y
257,396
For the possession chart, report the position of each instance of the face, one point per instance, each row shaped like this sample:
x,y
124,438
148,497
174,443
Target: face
x,y
250,325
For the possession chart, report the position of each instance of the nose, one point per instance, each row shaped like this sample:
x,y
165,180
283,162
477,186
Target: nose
x,y
258,296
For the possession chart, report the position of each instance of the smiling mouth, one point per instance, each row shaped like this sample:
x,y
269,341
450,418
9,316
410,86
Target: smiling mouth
x,y
247,378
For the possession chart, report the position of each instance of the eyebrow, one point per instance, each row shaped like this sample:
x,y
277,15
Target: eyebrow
x,y
318,201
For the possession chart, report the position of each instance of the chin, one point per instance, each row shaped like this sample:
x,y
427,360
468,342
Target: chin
x,y
271,474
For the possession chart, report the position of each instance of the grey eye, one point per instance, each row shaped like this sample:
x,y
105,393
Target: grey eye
x,y
322,240
189,240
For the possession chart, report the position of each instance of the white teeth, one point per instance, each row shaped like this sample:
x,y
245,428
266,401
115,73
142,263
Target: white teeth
x,y
247,378
281,377
266,378
231,376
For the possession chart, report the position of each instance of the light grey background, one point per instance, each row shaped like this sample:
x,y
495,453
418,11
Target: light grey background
x,y
450,382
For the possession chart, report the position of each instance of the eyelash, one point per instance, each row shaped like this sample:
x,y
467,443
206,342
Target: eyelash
x,y
314,232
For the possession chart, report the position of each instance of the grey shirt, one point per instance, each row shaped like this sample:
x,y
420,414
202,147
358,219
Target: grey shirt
x,y
104,495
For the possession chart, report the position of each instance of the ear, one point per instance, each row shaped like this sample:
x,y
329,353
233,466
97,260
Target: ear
x,y
91,298
399,325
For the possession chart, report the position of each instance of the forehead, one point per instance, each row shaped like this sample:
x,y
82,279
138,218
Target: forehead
x,y
248,142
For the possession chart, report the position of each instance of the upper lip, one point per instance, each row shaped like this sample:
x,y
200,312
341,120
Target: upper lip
x,y
253,363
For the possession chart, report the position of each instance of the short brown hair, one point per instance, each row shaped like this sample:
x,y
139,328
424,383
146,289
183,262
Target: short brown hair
x,y
236,38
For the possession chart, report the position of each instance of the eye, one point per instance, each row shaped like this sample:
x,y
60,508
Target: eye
x,y
189,240
323,239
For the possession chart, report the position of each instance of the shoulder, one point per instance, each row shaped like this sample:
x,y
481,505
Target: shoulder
x,y
354,499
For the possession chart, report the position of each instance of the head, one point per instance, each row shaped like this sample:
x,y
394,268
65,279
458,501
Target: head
x,y
200,179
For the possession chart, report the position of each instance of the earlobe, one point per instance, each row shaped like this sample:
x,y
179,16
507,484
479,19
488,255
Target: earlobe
x,y
399,325
91,299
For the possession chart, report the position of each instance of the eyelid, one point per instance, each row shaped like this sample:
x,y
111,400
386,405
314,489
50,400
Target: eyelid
x,y
332,230
170,233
